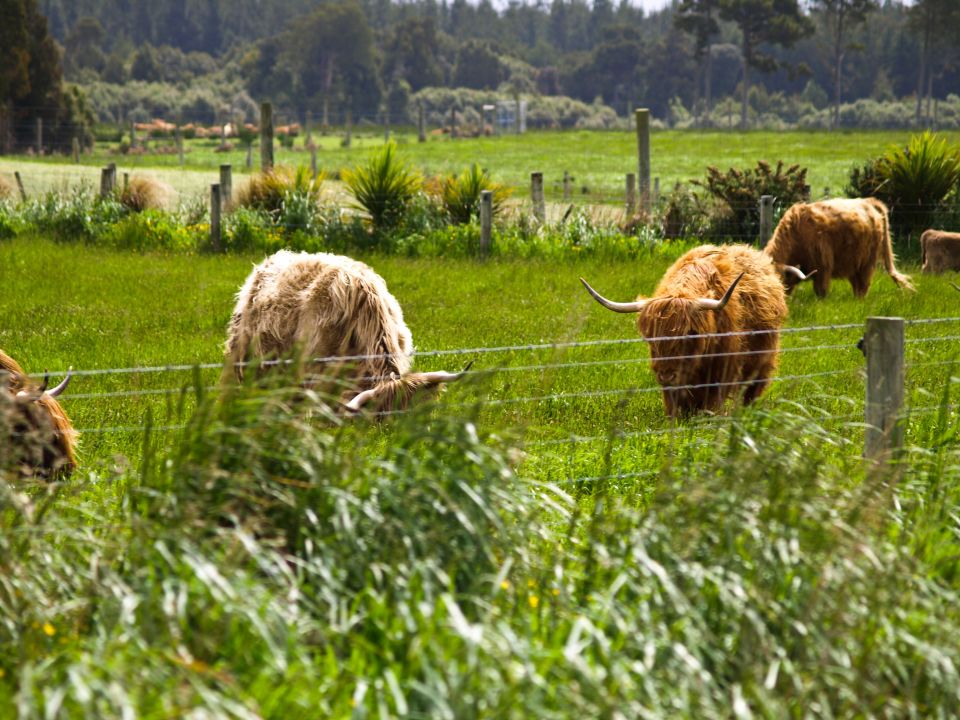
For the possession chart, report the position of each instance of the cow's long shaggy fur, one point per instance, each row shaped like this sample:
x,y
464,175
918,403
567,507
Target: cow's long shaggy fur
x,y
843,238
674,322
42,438
941,251
307,306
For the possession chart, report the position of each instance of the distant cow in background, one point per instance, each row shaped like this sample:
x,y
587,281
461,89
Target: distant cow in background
x,y
843,238
36,436
303,306
699,323
941,251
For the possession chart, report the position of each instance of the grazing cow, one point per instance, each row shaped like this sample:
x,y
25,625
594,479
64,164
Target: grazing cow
x,y
40,439
698,327
304,306
836,238
941,251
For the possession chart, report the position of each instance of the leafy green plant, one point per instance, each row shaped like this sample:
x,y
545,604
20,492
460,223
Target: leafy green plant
x,y
913,181
383,186
740,191
460,194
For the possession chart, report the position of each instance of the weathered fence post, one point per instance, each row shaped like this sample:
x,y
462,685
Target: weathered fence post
x,y
642,116
23,193
656,190
766,219
486,221
39,136
266,137
536,195
631,195
226,185
108,177
133,135
453,122
250,156
313,161
386,125
421,124
566,185
126,180
75,146
348,136
883,344
215,206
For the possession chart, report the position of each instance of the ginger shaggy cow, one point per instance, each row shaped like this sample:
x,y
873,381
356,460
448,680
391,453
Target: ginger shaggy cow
x,y
36,436
305,307
699,323
941,251
843,238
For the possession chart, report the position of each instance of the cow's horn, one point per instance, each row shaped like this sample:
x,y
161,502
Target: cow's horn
x,y
630,307
360,400
711,304
442,377
63,384
955,286
798,273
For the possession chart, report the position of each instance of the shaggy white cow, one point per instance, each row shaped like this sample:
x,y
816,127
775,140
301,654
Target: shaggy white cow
x,y
306,306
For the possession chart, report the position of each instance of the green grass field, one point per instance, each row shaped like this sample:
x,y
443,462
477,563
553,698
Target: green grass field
x,y
598,161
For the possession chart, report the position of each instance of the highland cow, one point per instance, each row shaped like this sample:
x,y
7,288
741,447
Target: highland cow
x,y
40,440
303,307
941,251
713,326
843,238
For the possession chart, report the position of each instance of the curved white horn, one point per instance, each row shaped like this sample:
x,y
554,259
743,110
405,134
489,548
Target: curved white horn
x,y
710,304
440,376
360,400
798,273
63,384
631,307
955,286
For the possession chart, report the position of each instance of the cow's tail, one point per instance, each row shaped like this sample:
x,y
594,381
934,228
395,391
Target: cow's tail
x,y
888,261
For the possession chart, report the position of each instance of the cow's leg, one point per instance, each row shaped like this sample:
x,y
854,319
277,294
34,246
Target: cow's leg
x,y
860,282
821,283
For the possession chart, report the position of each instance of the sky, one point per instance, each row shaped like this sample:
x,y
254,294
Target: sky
x,y
649,5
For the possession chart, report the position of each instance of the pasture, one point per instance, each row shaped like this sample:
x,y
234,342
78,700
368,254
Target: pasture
x,y
539,542
597,161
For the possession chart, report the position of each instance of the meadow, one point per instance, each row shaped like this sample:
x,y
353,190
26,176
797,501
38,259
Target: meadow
x,y
540,541
597,161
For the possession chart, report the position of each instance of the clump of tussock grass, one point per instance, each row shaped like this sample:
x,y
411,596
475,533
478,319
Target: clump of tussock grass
x,y
383,186
460,194
270,191
145,193
7,189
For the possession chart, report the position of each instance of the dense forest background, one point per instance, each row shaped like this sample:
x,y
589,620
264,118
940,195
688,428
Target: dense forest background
x,y
742,63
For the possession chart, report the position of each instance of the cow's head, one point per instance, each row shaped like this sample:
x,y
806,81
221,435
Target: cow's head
x,y
41,440
396,392
676,328
793,276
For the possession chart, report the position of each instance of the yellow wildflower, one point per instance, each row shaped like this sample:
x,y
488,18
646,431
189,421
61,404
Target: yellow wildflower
x,y
534,601
505,585
49,629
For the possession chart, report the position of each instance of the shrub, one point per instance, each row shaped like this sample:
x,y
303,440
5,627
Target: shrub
x,y
145,193
684,214
383,187
270,191
460,194
914,181
740,191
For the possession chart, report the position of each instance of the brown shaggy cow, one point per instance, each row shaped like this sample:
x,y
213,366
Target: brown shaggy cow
x,y
39,438
941,251
687,320
842,238
307,306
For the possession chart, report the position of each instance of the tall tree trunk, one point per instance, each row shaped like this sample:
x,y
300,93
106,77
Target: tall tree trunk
x,y
838,68
928,120
923,68
708,84
744,117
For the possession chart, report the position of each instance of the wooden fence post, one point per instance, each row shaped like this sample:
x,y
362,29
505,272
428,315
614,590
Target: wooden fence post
x,y
348,136
226,185
386,125
23,193
453,122
631,195
642,117
656,190
313,161
179,136
766,219
566,185
486,221
108,176
536,195
883,344
126,180
266,136
133,135
421,124
75,146
39,136
215,205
